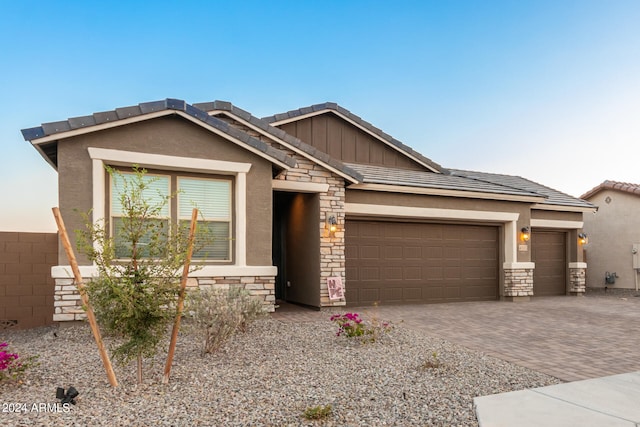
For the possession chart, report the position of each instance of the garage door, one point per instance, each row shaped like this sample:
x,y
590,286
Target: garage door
x,y
399,263
548,252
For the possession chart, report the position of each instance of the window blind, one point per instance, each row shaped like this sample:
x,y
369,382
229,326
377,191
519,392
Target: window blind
x,y
155,193
211,197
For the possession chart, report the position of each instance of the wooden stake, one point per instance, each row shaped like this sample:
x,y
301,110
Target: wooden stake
x,y
183,288
62,232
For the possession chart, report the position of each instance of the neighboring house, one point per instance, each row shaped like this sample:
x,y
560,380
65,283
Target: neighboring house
x,y
613,250
317,194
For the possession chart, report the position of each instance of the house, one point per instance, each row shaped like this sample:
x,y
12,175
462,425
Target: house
x,y
319,195
614,235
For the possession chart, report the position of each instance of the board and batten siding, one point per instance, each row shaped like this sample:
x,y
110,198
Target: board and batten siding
x,y
343,141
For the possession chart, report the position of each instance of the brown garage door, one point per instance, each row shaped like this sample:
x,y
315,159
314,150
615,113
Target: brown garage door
x,y
549,252
397,263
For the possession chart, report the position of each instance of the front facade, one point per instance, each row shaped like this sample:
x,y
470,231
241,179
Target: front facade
x,y
317,195
613,250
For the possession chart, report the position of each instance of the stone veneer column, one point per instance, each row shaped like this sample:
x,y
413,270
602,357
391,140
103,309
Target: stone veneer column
x,y
577,278
518,283
332,247
66,301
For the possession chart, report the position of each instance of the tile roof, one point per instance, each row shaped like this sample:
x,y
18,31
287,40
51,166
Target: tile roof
x,y
50,129
441,178
279,134
552,197
332,106
624,187
412,178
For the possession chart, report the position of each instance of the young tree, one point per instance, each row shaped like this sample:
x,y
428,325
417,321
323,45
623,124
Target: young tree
x,y
134,293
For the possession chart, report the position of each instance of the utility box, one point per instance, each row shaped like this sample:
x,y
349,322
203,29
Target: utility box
x,y
635,252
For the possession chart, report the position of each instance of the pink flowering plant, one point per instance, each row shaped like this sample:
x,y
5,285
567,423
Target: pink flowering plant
x,y
351,325
12,367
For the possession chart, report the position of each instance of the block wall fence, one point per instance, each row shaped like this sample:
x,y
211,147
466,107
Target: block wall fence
x,y
26,286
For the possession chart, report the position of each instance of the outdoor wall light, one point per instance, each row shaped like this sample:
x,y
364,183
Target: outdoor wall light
x,y
332,222
525,234
583,239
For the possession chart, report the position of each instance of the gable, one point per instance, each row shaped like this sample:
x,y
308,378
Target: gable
x,y
45,138
342,140
612,186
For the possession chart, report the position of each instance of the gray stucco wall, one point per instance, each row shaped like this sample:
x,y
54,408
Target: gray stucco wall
x,y
171,136
612,231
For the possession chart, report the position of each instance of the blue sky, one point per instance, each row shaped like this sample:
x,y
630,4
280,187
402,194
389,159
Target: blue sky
x,y
548,90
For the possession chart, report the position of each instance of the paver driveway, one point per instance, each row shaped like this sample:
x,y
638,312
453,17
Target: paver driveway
x,y
571,338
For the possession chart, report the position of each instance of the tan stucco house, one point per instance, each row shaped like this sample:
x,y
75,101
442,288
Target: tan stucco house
x,y
613,249
318,194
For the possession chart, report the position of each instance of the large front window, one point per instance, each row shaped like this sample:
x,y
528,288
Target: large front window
x,y
211,196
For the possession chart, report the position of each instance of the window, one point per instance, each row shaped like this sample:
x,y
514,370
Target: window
x,y
211,196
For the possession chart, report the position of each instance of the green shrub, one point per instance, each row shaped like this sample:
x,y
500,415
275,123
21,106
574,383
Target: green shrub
x,y
218,314
317,412
432,362
139,268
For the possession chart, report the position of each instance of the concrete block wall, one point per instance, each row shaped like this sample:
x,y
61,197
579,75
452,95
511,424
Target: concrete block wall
x,y
26,286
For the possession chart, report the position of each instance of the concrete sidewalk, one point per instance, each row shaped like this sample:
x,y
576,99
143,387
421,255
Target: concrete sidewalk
x,y
608,401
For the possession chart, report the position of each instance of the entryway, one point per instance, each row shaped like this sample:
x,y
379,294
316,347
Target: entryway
x,y
296,247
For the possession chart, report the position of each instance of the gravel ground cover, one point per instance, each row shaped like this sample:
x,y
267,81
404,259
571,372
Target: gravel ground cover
x,y
266,377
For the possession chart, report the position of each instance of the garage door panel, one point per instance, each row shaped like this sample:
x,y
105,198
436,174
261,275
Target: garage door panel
x,y
412,273
433,293
394,252
352,273
438,262
369,274
369,252
369,295
412,253
452,273
433,272
392,274
548,252
478,273
433,253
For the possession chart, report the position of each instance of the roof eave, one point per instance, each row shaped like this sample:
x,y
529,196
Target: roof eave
x,y
188,112
447,192
564,208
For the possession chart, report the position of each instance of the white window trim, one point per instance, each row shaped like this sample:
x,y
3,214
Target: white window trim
x,y
299,187
88,271
102,156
